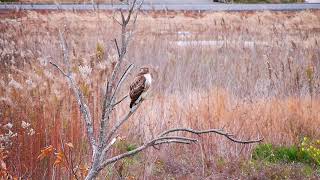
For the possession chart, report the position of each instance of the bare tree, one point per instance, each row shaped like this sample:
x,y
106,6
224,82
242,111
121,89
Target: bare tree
x,y
106,133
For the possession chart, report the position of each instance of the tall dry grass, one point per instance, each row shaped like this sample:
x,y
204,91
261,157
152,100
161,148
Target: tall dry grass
x,y
252,73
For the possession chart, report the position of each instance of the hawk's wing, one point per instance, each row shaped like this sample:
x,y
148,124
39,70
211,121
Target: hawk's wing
x,y
137,87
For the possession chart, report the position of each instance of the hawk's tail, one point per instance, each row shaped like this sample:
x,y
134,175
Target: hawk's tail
x,y
132,103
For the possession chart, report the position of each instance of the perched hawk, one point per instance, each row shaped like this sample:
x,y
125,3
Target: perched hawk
x,y
140,86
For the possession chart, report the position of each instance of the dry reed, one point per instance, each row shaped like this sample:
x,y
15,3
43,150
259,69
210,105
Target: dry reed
x,y
252,73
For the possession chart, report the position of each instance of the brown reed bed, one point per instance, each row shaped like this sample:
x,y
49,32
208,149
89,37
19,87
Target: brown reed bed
x,y
251,73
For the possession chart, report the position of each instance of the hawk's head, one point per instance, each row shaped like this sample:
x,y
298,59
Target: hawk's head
x,y
144,70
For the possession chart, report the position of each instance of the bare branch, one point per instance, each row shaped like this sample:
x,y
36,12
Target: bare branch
x,y
123,77
62,72
118,50
140,5
122,18
120,100
217,131
108,107
190,130
115,128
104,151
119,123
124,39
135,19
174,139
105,111
139,149
65,50
115,19
134,23
77,92
130,12
121,156
109,95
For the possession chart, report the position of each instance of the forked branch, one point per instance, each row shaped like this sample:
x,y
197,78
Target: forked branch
x,y
77,92
113,84
229,136
164,138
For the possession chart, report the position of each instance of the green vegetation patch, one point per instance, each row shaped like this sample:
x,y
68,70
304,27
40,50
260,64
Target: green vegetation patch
x,y
284,162
125,146
312,149
277,154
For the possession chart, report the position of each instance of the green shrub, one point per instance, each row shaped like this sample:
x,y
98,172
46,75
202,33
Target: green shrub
x,y
263,152
131,147
312,149
277,154
287,154
125,146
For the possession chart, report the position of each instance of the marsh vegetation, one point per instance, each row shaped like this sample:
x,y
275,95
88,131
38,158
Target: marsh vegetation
x,y
270,87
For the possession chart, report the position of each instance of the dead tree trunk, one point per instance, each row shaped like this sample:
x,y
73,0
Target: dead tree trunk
x,y
106,132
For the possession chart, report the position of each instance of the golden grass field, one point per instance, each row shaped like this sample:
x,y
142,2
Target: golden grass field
x,y
253,73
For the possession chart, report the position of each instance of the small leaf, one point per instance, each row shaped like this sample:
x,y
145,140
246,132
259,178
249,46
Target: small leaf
x,y
3,165
70,145
131,177
45,152
84,169
59,158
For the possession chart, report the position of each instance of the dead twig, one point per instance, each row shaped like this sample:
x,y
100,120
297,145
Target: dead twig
x,y
217,131
120,100
77,92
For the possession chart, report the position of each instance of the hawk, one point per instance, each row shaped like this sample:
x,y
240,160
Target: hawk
x,y
140,86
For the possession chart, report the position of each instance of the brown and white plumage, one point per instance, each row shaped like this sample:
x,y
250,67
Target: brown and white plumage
x,y
140,86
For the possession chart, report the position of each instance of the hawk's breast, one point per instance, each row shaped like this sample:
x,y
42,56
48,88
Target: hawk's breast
x,y
147,85
148,79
